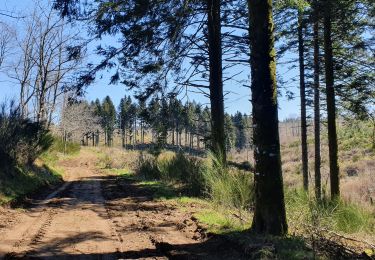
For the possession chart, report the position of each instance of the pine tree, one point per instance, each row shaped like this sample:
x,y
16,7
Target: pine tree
x,y
108,114
269,215
230,132
316,68
124,119
331,106
239,123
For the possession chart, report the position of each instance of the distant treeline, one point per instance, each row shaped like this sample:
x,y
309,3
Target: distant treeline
x,y
163,120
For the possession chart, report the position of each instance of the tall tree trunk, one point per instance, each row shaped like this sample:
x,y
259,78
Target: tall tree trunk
x,y
331,107
172,136
142,140
126,138
216,78
135,132
269,215
123,138
186,137
305,162
318,185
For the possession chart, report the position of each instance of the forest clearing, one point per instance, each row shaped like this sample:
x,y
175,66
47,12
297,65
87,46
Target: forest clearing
x,y
112,205
187,129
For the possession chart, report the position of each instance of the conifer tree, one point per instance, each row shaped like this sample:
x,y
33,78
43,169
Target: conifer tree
x,y
108,114
269,215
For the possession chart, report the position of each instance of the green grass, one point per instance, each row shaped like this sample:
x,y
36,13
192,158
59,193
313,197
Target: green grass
x,y
220,221
67,148
227,199
186,201
160,190
337,216
355,134
125,173
25,181
174,168
22,180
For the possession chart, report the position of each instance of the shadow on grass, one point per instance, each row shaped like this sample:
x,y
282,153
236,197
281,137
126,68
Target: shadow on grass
x,y
18,184
227,245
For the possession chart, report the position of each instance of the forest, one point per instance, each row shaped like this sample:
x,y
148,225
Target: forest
x,y
196,158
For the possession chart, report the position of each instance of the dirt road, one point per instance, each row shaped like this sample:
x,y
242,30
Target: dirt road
x,y
99,216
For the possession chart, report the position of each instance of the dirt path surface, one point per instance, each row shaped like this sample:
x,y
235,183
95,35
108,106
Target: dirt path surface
x,y
95,215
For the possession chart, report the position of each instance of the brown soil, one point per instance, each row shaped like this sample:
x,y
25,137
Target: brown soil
x,y
95,215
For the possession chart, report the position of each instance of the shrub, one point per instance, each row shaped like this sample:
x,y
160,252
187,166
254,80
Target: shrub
x,y
229,187
21,140
65,147
147,167
337,215
171,167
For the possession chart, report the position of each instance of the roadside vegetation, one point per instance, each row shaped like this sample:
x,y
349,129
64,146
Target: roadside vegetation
x,y
222,200
28,156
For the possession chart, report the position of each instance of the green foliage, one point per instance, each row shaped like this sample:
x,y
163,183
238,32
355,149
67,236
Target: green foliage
x,y
21,140
64,147
332,215
160,190
107,112
228,187
178,168
355,134
218,222
26,180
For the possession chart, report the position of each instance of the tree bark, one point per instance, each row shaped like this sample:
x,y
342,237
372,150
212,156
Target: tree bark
x,y
269,215
172,136
331,107
216,79
305,162
318,185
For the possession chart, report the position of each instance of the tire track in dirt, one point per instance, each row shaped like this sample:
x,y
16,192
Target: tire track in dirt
x,y
71,221
153,229
30,227
98,215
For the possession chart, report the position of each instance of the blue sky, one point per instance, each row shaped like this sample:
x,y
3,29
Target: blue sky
x,y
236,100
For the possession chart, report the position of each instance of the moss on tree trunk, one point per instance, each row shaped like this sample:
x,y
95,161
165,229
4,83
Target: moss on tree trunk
x,y
269,215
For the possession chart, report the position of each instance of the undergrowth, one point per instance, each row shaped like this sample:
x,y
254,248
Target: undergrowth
x,y
25,180
64,147
22,179
305,212
223,201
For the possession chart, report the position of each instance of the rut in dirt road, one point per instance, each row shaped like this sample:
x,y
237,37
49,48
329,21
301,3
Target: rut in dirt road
x,y
100,216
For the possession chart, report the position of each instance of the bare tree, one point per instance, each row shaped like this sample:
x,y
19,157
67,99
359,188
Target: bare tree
x,y
78,120
5,42
47,59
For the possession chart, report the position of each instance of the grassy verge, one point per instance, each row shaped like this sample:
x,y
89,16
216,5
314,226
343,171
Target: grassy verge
x,y
26,180
223,222
23,180
225,203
